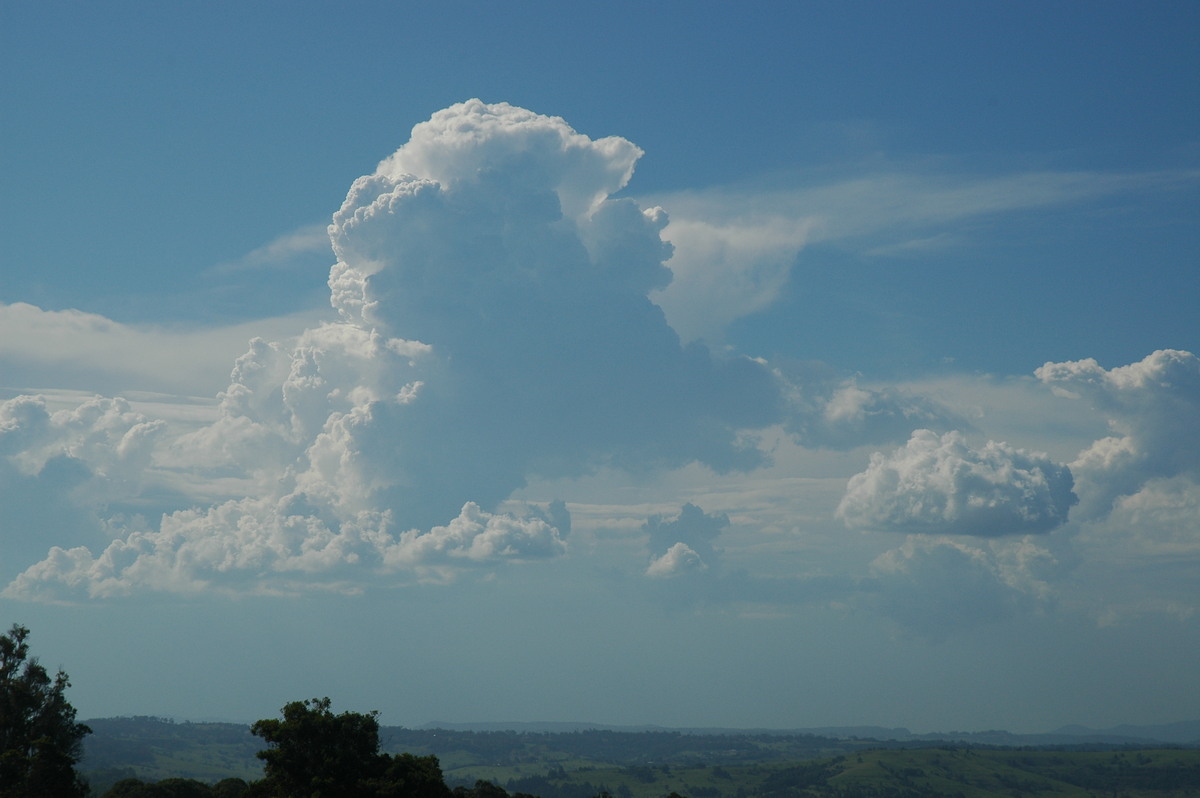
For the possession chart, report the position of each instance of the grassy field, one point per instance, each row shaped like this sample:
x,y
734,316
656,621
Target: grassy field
x,y
929,772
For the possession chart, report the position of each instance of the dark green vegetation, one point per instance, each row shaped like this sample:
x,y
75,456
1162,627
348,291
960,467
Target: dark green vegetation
x,y
40,742
312,753
153,749
585,764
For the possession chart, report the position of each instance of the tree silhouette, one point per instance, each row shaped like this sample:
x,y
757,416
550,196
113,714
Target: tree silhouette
x,y
40,742
314,753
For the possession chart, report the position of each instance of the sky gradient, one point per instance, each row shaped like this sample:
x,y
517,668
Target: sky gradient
x,y
799,364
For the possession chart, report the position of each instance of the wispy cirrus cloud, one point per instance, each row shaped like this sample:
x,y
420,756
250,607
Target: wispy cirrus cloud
x,y
735,246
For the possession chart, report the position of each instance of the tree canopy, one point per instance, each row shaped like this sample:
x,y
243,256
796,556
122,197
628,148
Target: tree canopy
x,y
313,753
40,742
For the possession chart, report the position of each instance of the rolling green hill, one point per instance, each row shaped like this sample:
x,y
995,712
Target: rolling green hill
x,y
654,764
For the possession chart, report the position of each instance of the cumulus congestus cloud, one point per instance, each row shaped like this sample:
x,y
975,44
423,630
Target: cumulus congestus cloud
x,y
494,325
490,237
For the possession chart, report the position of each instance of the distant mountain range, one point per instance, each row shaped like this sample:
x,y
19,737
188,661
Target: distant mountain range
x,y
1181,733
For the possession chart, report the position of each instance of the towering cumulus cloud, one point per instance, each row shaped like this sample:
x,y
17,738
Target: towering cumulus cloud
x,y
494,325
490,237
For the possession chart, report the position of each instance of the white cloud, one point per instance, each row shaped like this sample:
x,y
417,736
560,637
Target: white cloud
x,y
934,586
488,238
735,247
693,527
280,546
472,142
678,559
940,485
282,252
1143,557
726,269
496,329
495,326
830,411
1152,407
1162,520
58,467
72,349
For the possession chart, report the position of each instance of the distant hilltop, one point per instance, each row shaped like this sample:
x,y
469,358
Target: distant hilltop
x,y
566,727
1181,733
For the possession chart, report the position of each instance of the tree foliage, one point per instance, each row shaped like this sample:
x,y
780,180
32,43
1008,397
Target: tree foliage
x,y
176,788
314,753
40,742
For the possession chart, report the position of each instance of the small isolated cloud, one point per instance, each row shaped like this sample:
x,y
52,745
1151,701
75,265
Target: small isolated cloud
x,y
825,410
692,527
940,485
1152,408
933,586
678,559
686,567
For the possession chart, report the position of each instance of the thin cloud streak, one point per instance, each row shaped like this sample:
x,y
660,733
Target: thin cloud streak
x,y
57,349
282,252
735,246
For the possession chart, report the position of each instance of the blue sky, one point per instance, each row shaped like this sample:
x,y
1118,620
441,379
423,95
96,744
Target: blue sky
x,y
797,364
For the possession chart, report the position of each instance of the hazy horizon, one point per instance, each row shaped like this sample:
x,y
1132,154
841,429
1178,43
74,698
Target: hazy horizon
x,y
1177,732
789,366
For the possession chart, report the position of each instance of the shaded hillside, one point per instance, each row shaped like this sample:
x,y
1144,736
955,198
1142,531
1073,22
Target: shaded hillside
x,y
975,773
896,773
155,748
